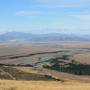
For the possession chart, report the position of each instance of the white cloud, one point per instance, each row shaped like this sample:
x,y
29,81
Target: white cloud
x,y
85,17
27,13
63,3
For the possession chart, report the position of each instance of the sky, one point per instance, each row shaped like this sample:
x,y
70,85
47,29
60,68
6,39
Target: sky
x,y
45,16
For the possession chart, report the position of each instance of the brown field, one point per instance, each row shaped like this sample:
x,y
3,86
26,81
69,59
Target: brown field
x,y
25,48
22,49
42,85
83,58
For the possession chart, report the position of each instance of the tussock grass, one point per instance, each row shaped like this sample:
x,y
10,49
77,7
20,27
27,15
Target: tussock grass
x,y
11,73
42,85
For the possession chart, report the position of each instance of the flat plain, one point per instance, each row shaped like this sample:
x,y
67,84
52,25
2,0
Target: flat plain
x,y
42,50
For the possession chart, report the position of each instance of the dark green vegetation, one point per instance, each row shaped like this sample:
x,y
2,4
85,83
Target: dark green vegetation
x,y
63,64
14,74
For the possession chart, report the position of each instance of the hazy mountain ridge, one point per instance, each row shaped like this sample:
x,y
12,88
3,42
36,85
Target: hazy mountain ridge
x,y
21,36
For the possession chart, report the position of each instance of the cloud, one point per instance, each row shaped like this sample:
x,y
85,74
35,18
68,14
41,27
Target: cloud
x,y
85,17
27,13
59,6
63,3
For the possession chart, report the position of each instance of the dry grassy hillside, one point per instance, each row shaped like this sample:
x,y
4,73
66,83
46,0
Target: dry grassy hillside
x,y
83,58
63,77
42,85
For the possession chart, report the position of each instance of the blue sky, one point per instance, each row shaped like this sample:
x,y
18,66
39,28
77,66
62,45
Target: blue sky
x,y
45,16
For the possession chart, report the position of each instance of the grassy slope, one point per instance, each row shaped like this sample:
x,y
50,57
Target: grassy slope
x,y
11,73
55,74
42,85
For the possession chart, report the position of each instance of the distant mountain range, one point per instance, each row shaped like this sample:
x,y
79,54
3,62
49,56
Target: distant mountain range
x,y
21,36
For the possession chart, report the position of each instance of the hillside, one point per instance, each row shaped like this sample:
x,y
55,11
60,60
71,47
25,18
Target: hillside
x,y
42,85
11,73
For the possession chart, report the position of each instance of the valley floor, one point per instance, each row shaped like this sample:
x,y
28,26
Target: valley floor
x,y
42,85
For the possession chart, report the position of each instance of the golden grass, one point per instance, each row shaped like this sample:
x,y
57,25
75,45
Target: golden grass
x,y
42,85
83,58
27,69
